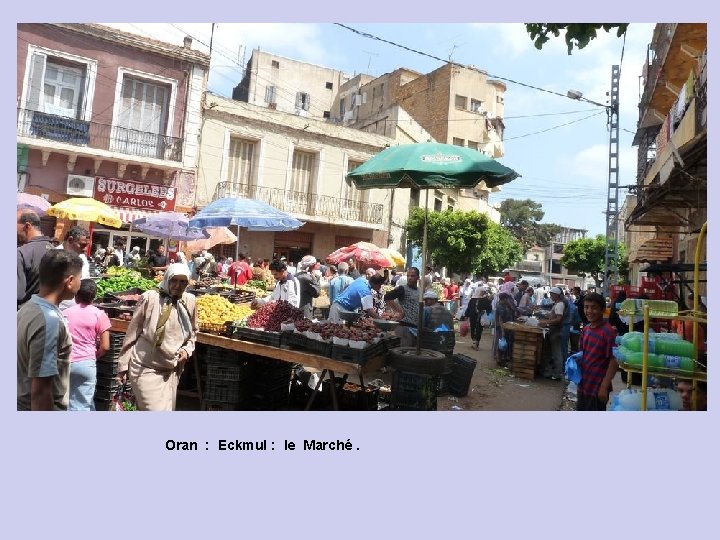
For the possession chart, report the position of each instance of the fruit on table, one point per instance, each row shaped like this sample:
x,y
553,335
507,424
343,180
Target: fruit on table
x,y
271,315
214,309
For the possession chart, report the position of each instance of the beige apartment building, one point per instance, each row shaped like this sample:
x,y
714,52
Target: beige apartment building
x,y
297,164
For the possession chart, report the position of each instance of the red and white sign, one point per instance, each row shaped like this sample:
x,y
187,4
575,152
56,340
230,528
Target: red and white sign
x,y
131,194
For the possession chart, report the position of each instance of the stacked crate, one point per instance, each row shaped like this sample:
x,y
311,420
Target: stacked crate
x,y
526,348
107,369
226,377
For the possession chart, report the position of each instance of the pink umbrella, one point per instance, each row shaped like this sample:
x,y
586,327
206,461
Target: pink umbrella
x,y
33,202
365,255
218,235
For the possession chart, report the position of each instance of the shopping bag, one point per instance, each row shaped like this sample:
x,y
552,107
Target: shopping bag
x,y
484,320
502,344
572,368
464,328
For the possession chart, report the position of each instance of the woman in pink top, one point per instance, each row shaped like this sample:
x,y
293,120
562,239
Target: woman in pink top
x,y
90,332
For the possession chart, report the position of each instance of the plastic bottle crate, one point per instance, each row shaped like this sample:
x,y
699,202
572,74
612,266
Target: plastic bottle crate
x,y
297,341
413,392
443,387
258,336
218,355
106,369
463,368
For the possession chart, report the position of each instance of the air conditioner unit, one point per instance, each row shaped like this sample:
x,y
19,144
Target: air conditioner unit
x,y
80,186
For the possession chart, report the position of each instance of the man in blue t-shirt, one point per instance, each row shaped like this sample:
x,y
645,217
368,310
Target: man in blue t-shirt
x,y
358,295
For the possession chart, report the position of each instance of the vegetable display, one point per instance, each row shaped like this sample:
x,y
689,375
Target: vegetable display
x,y
214,309
122,279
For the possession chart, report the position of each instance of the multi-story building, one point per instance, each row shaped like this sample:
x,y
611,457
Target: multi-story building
x,y
111,115
453,104
286,85
672,144
298,165
556,273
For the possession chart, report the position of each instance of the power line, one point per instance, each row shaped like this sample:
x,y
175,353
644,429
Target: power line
x,y
551,128
371,36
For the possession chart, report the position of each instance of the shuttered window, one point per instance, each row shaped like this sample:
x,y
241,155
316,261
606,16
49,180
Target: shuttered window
x,y
303,169
242,161
352,192
144,105
56,86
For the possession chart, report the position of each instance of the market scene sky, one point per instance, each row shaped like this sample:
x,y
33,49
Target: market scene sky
x,y
558,145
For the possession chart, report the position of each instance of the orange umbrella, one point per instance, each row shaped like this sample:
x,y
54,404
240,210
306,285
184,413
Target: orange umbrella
x,y
218,235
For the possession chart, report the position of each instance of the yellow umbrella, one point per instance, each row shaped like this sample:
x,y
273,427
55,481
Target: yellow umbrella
x,y
394,256
86,209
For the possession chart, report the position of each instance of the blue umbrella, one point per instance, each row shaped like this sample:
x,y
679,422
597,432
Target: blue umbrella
x,y
170,225
250,214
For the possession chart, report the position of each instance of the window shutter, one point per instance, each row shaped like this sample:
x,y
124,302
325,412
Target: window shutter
x,y
37,76
298,100
307,102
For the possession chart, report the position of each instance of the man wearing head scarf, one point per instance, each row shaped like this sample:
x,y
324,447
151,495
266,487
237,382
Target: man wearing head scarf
x,y
159,341
479,304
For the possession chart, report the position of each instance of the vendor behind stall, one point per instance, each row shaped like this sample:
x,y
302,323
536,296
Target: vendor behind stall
x,y
358,295
286,288
435,314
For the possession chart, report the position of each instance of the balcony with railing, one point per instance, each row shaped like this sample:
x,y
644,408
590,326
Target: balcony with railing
x,y
39,125
301,204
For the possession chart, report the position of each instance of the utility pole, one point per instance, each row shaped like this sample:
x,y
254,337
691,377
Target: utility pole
x,y
612,263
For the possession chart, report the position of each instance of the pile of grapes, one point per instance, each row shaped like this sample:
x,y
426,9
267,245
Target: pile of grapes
x,y
271,315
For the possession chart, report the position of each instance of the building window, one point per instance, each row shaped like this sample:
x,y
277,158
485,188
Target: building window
x,y
270,94
414,197
451,204
475,105
536,256
461,102
302,101
142,118
458,142
438,205
303,169
499,99
275,64
242,161
473,145
352,193
342,107
326,114
329,85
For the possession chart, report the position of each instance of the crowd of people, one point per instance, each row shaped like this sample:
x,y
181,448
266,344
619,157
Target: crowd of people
x,y
61,333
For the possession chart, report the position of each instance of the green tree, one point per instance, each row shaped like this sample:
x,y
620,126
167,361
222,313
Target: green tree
x,y
576,35
522,217
466,242
586,257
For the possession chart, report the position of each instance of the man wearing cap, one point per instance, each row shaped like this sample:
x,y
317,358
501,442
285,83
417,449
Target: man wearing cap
x,y
554,322
358,295
309,289
435,313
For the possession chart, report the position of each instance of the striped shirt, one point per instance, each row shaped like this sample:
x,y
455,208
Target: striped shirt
x,y
43,350
596,345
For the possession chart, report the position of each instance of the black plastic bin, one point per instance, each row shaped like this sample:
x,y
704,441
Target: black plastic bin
x,y
460,379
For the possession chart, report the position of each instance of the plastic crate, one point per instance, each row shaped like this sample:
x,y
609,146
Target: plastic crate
x,y
102,404
353,398
227,371
219,355
223,391
357,356
413,392
460,379
443,387
443,342
296,341
208,405
274,339
320,348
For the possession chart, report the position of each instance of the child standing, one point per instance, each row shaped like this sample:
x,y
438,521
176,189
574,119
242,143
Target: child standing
x,y
43,339
90,331
598,366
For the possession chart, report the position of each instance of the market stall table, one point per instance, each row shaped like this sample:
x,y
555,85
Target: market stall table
x,y
328,366
526,350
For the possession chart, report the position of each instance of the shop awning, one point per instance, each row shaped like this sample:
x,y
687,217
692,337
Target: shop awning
x,y
655,249
128,215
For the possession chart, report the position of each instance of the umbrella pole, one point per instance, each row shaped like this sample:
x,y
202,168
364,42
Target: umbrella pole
x,y
422,276
237,250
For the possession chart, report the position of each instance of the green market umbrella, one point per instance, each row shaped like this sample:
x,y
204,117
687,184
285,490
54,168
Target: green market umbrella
x,y
429,166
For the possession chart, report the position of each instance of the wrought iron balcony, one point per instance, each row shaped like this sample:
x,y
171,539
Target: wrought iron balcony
x,y
39,125
308,204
